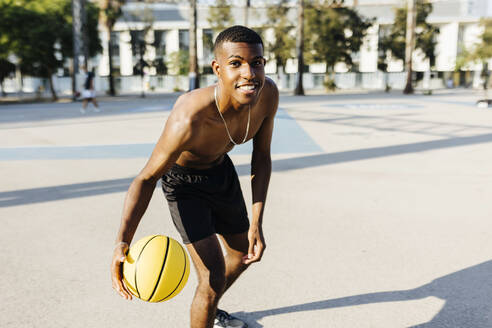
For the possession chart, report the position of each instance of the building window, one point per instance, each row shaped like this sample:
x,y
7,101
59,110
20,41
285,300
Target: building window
x,y
115,50
138,43
383,33
139,46
184,40
160,52
208,45
160,43
115,43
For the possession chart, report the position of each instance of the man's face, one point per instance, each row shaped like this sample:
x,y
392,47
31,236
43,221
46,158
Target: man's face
x,y
240,68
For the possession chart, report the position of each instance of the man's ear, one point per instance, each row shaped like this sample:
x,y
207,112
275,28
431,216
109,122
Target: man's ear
x,y
216,67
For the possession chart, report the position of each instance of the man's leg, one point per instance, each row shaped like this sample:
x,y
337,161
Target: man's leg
x,y
96,106
208,259
84,105
236,247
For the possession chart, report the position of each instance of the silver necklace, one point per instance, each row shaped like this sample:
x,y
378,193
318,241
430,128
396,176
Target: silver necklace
x,y
225,124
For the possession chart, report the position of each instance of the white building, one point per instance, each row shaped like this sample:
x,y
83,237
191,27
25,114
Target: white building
x,y
458,22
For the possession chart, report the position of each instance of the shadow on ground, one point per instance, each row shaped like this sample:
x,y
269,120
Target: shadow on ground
x,y
370,153
45,194
466,294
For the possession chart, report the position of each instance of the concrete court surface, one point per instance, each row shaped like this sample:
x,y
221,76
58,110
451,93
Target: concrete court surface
x,y
379,214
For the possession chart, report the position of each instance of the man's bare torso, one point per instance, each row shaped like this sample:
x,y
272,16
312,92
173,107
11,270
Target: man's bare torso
x,y
210,140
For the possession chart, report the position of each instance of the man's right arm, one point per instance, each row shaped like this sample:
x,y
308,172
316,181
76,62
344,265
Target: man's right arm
x,y
175,138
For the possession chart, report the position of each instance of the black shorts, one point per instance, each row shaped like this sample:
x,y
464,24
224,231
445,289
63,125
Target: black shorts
x,y
205,202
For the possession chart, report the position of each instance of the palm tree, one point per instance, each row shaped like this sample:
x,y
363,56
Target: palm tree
x,y
108,15
193,74
299,90
409,45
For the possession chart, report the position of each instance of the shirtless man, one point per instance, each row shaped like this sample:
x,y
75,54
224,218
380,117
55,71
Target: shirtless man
x,y
199,179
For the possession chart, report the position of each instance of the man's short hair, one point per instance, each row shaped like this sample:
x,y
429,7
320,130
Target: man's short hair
x,y
237,33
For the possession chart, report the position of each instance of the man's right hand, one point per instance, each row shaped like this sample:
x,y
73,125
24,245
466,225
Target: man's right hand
x,y
119,256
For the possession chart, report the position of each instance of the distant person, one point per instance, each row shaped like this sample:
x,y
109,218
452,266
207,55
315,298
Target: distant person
x,y
89,94
449,83
485,76
199,179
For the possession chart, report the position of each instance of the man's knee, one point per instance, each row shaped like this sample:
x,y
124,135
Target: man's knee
x,y
212,283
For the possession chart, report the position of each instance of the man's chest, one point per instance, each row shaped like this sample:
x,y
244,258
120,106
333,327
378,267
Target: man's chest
x,y
217,137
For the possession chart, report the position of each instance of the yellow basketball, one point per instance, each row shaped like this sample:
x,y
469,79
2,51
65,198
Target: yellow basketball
x,y
156,268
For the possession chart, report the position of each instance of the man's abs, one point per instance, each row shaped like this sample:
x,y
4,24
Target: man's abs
x,y
188,159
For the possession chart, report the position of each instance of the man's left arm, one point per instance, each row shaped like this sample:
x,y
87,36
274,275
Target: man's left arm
x,y
261,168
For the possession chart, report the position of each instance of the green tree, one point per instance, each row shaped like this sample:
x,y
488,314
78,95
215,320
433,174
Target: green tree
x,y
178,62
425,35
6,67
33,39
39,34
333,34
282,48
93,40
479,53
219,16
6,70
483,51
139,41
464,57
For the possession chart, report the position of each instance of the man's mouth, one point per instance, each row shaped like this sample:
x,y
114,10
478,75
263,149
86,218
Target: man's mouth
x,y
248,87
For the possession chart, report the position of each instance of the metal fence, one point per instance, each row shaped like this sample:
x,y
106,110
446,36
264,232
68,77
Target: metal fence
x,y
170,83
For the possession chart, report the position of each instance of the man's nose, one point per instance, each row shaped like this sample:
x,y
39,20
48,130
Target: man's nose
x,y
247,72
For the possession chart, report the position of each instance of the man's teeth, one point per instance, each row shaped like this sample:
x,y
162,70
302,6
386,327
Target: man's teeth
x,y
247,87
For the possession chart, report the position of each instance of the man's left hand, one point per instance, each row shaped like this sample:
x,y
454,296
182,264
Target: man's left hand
x,y
256,245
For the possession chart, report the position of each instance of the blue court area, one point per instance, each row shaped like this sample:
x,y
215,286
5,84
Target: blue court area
x,y
289,137
378,106
454,102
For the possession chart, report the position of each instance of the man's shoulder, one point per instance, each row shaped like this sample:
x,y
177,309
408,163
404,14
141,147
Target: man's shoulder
x,y
269,96
270,90
191,106
270,85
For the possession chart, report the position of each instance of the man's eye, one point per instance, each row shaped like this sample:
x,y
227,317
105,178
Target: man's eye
x,y
258,63
235,63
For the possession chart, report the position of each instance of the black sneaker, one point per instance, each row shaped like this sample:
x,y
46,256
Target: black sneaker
x,y
225,320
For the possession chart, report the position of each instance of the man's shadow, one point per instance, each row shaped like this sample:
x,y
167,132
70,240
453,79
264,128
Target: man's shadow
x,y
467,295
